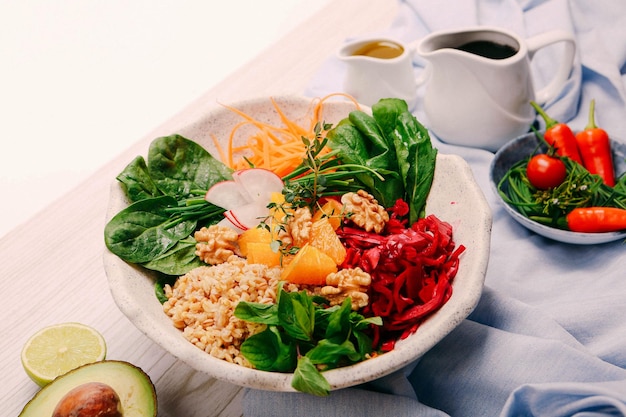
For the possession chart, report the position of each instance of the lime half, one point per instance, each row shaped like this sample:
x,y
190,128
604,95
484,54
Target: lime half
x,y
57,349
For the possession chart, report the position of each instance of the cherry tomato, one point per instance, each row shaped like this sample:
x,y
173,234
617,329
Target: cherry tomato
x,y
545,171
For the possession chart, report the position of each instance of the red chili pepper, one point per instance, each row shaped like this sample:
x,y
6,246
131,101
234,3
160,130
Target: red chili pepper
x,y
596,219
559,135
595,148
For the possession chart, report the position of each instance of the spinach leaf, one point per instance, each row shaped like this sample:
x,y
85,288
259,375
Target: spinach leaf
x,y
377,145
416,155
137,182
180,166
159,286
360,141
393,143
143,231
166,207
178,260
347,139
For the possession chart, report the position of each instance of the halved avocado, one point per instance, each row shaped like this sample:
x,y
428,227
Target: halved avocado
x,y
132,385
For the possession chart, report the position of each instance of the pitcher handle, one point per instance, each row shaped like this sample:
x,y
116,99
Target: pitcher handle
x,y
424,74
567,62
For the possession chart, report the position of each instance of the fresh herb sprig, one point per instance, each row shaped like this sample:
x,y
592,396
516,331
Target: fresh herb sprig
x,y
322,174
579,189
306,337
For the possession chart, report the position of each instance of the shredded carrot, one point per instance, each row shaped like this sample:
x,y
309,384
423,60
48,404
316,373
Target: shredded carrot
x,y
318,109
277,148
216,142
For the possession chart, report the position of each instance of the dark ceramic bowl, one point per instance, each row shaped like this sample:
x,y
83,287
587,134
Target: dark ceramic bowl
x,y
521,147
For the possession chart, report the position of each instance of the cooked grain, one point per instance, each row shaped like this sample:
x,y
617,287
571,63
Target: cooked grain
x,y
202,302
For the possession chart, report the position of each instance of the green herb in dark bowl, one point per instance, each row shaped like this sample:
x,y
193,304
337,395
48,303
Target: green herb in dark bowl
x,y
549,207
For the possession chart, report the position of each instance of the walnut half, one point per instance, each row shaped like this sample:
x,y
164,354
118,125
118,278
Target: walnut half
x,y
215,244
364,211
299,226
350,282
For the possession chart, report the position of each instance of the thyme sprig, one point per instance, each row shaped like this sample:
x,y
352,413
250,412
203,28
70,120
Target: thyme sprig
x,y
321,174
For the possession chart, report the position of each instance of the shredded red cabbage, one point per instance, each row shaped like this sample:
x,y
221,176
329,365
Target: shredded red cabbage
x,y
412,269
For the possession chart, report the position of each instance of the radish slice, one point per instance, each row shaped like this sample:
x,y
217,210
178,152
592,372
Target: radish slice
x,y
258,183
234,221
226,194
246,197
249,215
227,223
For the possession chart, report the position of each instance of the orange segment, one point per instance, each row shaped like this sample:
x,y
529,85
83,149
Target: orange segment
x,y
333,210
256,234
324,238
276,197
280,211
262,253
309,266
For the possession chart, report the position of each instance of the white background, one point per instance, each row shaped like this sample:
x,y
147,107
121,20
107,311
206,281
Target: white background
x,y
80,80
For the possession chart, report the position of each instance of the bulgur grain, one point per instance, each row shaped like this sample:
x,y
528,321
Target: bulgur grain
x,y
201,303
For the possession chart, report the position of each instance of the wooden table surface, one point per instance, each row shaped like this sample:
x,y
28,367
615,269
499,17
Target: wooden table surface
x,y
51,267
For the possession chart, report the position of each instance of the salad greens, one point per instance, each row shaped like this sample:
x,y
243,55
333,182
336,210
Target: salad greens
x,y
389,154
182,168
176,166
305,336
167,205
395,144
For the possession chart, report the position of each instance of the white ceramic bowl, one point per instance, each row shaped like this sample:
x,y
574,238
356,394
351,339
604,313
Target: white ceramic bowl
x,y
521,147
455,197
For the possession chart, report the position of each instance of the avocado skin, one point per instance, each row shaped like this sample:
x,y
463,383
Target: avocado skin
x,y
131,383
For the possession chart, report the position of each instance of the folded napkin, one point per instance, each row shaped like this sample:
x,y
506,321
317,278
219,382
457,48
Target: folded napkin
x,y
548,337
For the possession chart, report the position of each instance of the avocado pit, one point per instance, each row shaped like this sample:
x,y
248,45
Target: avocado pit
x,y
93,399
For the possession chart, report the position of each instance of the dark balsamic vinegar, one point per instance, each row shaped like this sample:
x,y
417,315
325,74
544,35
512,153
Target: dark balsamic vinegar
x,y
488,49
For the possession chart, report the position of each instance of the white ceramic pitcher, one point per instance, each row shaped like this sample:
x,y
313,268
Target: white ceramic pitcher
x,y
469,99
379,68
484,101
